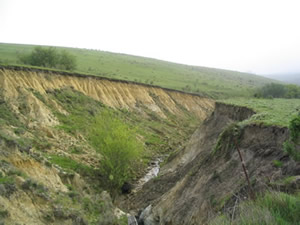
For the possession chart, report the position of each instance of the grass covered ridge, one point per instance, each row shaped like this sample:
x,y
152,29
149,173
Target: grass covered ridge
x,y
269,111
216,83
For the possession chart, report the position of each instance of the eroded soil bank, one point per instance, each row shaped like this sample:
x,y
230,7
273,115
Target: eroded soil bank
x,y
206,177
48,168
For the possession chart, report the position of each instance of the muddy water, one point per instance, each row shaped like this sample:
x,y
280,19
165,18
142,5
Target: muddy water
x,y
152,171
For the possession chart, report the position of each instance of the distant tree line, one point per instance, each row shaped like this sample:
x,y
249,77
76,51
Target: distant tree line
x,y
50,57
274,90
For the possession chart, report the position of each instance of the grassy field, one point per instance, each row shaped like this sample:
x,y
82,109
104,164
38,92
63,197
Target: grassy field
x,y
269,111
215,83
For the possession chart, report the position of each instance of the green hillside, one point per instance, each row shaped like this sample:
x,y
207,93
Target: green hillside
x,y
215,83
276,111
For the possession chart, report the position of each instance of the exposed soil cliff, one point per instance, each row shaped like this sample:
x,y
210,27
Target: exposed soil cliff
x,y
46,169
111,93
207,175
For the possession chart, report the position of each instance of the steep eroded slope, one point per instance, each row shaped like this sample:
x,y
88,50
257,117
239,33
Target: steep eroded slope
x,y
207,177
48,166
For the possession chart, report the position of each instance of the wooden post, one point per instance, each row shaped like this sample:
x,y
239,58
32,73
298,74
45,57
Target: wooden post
x,y
251,192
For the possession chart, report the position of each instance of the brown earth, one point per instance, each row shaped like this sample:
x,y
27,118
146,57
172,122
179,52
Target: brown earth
x,y
201,180
111,93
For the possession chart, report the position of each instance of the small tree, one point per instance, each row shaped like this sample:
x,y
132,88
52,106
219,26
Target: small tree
x,y
67,61
278,91
293,91
119,147
46,57
272,90
50,57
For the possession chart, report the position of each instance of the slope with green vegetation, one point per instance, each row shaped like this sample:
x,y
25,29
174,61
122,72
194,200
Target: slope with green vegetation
x,y
269,111
215,83
66,141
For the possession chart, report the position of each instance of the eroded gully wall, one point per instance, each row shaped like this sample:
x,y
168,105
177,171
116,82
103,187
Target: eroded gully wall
x,y
116,94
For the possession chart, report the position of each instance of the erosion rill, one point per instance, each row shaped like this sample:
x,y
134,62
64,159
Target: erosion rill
x,y
48,166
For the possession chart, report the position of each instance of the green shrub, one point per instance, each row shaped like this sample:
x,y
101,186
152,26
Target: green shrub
x,y
46,57
16,172
274,90
119,147
3,214
291,146
293,91
50,57
277,163
295,129
6,180
67,61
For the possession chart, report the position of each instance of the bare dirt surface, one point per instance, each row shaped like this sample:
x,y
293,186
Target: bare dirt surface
x,y
111,93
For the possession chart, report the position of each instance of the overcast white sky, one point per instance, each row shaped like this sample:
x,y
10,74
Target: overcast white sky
x,y
259,36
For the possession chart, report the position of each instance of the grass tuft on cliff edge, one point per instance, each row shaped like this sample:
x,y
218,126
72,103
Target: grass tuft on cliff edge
x,y
275,111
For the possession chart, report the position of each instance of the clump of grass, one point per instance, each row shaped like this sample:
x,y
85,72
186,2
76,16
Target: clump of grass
x,y
3,213
24,144
273,208
282,206
289,180
16,172
41,143
6,179
7,117
76,150
38,95
71,165
227,138
277,163
33,185
291,146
